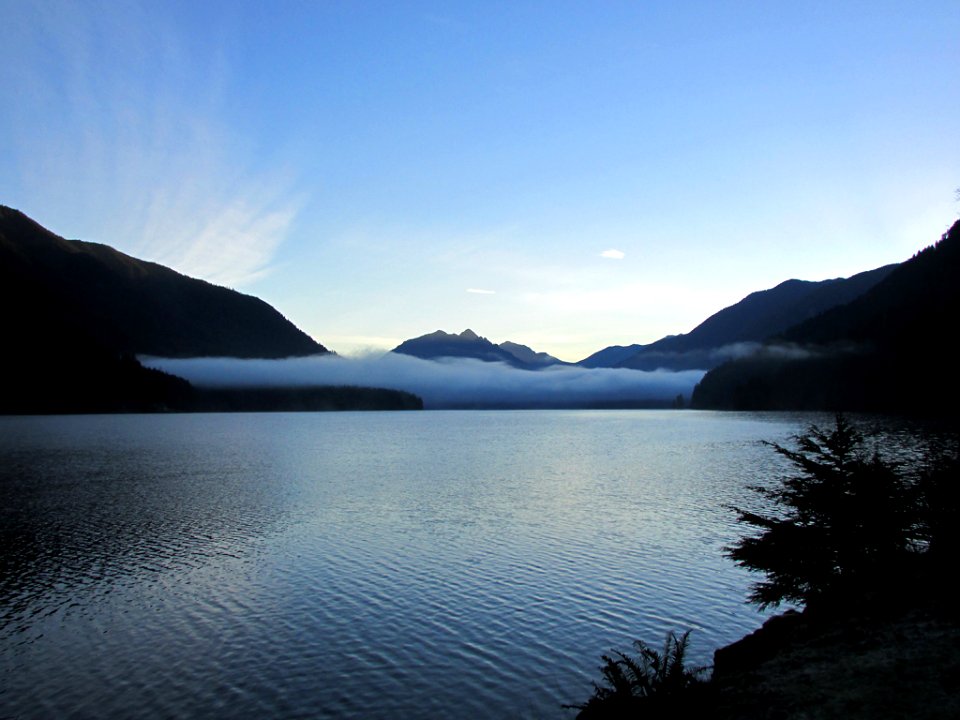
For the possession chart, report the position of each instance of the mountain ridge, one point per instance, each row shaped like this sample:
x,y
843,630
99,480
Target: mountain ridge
x,y
136,306
528,355
876,353
77,313
756,317
468,344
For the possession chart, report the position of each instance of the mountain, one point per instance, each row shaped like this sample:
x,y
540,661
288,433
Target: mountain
x,y
77,313
752,320
889,350
529,356
468,344
132,306
610,356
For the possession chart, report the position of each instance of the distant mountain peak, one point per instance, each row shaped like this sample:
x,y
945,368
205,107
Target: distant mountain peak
x,y
467,336
469,344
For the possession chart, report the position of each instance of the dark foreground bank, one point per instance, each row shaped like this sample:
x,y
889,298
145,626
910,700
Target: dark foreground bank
x,y
896,663
897,659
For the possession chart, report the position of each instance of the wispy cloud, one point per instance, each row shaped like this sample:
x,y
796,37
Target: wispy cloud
x,y
478,291
135,148
612,254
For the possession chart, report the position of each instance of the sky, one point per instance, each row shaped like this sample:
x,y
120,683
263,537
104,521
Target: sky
x,y
567,175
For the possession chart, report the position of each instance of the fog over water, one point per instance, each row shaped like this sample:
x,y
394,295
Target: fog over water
x,y
450,382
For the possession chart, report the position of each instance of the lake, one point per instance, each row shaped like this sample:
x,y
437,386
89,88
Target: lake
x,y
362,565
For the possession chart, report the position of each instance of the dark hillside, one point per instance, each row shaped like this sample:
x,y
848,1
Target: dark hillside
x,y
95,294
754,319
890,350
76,313
916,305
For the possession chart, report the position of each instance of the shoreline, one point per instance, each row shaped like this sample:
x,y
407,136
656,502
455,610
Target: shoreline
x,y
875,662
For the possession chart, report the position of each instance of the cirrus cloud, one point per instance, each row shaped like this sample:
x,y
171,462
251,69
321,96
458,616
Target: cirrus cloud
x,y
136,148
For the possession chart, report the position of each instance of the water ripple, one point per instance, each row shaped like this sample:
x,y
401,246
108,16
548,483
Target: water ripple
x,y
360,565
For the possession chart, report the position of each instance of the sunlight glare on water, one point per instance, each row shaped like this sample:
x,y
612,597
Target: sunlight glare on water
x,y
369,565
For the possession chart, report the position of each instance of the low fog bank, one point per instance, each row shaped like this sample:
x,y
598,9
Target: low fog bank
x,y
711,357
447,383
784,351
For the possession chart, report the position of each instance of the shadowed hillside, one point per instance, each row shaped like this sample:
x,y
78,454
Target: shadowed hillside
x,y
752,320
128,305
77,313
888,350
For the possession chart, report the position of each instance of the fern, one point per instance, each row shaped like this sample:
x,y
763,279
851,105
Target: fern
x,y
649,677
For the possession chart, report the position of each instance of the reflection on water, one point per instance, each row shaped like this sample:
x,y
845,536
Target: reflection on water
x,y
94,504
367,565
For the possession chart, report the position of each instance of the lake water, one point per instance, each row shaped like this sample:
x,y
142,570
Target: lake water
x,y
362,565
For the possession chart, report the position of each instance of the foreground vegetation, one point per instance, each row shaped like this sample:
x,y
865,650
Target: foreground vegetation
x,y
648,681
866,546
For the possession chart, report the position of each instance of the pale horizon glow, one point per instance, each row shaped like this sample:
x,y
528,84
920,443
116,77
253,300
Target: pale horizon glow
x,y
592,176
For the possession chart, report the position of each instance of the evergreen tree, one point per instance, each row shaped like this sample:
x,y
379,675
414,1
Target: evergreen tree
x,y
840,524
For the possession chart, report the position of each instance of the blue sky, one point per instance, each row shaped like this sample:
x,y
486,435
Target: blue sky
x,y
368,167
